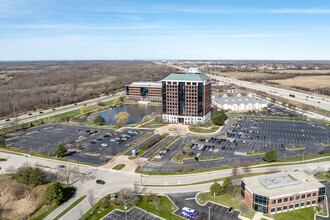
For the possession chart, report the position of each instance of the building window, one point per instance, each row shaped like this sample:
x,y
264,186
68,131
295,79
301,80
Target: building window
x,y
296,205
273,202
285,208
291,198
314,194
290,206
308,203
303,196
297,197
313,202
285,199
308,195
302,204
272,210
279,209
279,201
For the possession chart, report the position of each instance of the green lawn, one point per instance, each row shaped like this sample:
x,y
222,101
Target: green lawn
x,y
70,207
295,148
255,152
229,200
203,130
165,209
325,175
300,214
2,159
119,166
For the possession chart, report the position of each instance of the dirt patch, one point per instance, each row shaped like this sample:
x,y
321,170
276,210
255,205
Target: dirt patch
x,y
18,201
311,82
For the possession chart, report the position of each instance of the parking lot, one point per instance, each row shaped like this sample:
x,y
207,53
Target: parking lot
x,y
132,214
243,137
216,211
100,144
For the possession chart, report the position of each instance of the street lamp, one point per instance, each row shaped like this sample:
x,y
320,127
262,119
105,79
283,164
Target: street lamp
x,y
125,207
209,217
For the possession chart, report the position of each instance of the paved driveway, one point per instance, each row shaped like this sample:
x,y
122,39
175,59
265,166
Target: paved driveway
x,y
216,211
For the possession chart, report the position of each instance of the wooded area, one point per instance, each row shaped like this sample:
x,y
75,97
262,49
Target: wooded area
x,y
29,86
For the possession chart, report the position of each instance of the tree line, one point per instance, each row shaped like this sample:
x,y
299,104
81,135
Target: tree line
x,y
31,86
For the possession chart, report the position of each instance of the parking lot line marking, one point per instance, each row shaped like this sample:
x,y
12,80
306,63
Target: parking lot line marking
x,y
31,132
189,198
222,208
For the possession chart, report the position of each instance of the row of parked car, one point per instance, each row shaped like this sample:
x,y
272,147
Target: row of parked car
x,y
124,137
162,153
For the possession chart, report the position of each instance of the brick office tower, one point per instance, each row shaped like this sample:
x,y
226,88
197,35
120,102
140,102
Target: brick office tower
x,y
282,192
186,98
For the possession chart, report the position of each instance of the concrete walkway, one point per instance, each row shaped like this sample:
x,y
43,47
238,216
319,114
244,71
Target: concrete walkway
x,y
130,165
260,215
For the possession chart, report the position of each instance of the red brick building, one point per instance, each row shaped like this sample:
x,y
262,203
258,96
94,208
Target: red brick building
x,y
282,192
186,98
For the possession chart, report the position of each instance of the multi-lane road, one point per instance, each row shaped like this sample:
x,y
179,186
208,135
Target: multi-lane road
x,y
56,111
117,180
316,101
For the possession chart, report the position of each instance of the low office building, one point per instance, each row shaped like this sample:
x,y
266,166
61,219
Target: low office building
x,y
186,98
145,91
239,104
282,192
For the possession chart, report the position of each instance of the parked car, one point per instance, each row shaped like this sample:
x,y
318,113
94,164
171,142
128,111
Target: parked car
x,y
100,139
231,210
104,144
30,114
80,137
61,166
100,182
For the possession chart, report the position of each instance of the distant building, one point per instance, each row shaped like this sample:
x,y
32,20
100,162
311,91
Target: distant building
x,y
186,98
146,91
239,103
193,70
282,192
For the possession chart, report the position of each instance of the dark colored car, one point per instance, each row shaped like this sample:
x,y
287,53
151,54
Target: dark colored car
x,y
93,142
100,182
61,166
30,113
231,210
7,119
100,139
41,112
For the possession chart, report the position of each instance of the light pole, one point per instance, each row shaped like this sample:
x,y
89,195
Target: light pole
x,y
125,207
209,217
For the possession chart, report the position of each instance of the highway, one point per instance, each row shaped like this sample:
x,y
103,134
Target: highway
x,y
59,110
301,97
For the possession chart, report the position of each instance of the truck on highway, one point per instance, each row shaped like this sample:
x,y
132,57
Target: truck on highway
x,y
291,95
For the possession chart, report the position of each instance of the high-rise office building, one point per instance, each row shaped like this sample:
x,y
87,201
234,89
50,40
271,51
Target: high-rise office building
x,y
186,98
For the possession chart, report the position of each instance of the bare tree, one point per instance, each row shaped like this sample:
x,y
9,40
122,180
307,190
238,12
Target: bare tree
x,y
91,199
67,140
246,168
11,169
243,207
127,197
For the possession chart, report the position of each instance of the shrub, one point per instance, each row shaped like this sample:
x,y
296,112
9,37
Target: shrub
x,y
30,176
60,150
54,194
99,120
218,117
215,189
271,155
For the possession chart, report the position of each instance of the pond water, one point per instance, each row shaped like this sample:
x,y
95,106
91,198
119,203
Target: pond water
x,y
136,112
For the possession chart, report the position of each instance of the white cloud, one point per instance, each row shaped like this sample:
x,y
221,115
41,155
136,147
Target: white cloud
x,y
300,11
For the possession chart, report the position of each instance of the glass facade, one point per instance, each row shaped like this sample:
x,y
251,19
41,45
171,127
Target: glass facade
x,y
321,194
127,90
260,203
181,98
164,96
242,189
144,91
200,99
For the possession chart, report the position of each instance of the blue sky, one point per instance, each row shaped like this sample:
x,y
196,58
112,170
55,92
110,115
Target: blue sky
x,y
154,29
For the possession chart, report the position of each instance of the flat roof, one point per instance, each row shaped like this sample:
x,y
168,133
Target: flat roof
x,y
146,84
238,100
188,77
280,184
